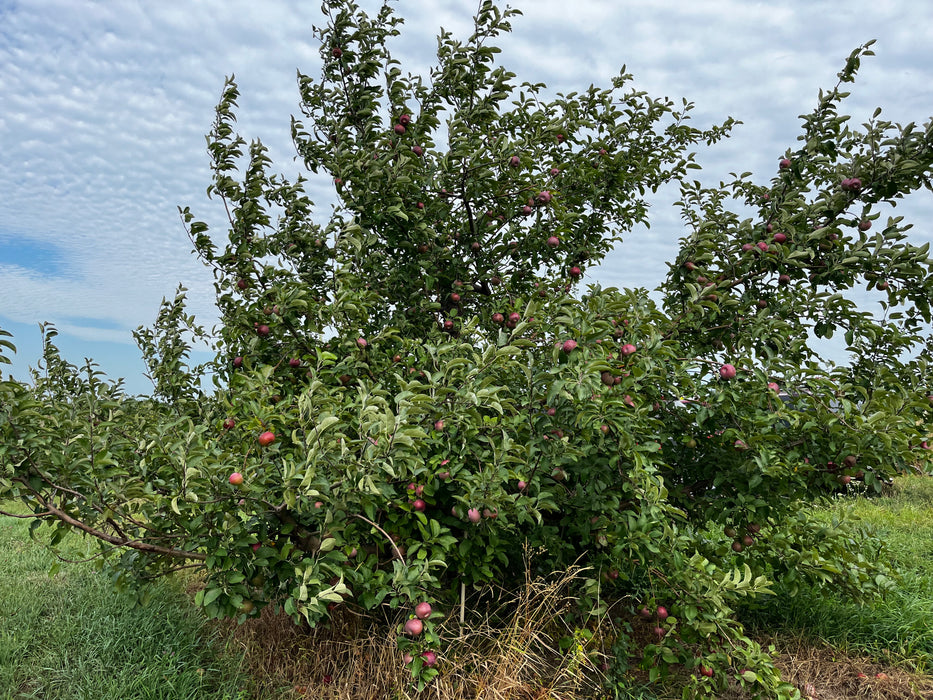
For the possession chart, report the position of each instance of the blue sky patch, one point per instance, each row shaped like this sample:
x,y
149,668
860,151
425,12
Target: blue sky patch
x,y
43,258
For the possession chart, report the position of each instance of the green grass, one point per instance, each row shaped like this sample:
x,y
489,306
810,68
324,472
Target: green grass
x,y
71,637
898,628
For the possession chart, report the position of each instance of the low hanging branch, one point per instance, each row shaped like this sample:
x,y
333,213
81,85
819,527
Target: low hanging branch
x,y
116,541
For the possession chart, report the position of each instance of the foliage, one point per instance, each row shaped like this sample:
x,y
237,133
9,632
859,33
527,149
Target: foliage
x,y
415,391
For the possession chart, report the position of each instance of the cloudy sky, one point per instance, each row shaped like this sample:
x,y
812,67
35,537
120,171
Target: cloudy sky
x,y
104,106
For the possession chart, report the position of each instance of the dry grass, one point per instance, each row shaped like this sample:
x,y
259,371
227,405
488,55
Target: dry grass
x,y
357,656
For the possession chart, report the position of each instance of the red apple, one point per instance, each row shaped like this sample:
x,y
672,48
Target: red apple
x,y
569,345
229,423
784,164
399,129
262,330
515,161
237,362
522,485
419,505
336,52
413,627
780,237
474,515
266,438
422,610
553,241
429,657
417,150
294,362
661,612
439,425
405,119
575,271
361,342
544,197
727,371
236,478
498,318
627,349
864,225
515,317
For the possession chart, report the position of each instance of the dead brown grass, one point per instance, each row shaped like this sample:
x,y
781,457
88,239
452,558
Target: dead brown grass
x,y
356,657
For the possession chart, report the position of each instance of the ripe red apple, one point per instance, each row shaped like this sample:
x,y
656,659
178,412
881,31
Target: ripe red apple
x,y
737,546
659,632
294,362
844,479
522,485
336,52
266,438
420,205
498,318
727,371
748,540
455,298
238,362
762,245
627,349
747,247
419,505
262,330
773,386
229,423
236,478
784,164
429,657
704,671
474,515
569,345
438,425
575,272
864,225
405,119
413,627
780,237
560,138
361,342
515,161
553,241
526,210
399,129
417,150
544,197
241,284
423,610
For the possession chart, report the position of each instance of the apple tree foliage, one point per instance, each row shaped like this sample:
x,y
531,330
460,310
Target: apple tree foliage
x,y
444,395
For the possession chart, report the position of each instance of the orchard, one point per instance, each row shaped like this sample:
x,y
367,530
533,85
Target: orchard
x,y
408,398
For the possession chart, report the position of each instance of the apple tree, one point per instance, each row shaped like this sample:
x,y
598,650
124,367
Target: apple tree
x,y
412,395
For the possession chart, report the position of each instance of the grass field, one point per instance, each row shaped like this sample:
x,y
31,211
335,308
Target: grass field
x,y
71,636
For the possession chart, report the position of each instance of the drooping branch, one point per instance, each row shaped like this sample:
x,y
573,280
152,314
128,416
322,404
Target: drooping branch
x,y
117,541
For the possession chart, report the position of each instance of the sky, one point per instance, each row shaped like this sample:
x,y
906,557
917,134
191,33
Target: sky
x,y
104,106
